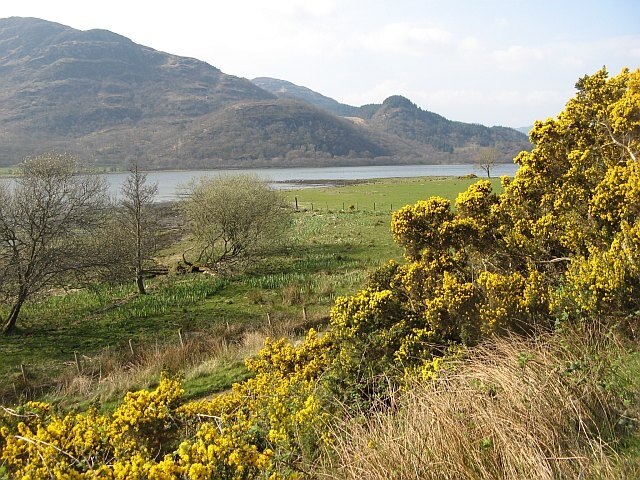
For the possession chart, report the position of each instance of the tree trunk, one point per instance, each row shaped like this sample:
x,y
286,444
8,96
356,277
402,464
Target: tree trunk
x,y
140,282
10,324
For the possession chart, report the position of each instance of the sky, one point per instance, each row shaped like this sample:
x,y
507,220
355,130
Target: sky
x,y
494,62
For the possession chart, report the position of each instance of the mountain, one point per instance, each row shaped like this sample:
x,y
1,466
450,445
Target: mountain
x,y
70,89
109,100
524,130
72,80
399,116
284,89
257,131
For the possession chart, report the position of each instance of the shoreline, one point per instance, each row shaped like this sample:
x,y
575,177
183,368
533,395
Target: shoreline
x,y
267,169
327,182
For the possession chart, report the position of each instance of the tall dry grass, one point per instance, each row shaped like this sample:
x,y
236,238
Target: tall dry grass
x,y
113,372
116,371
515,409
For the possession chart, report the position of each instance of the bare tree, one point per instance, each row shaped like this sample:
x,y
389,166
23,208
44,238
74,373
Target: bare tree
x,y
139,223
233,217
487,159
47,218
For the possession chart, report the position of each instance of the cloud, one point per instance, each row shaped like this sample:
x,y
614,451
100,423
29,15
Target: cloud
x,y
404,38
295,8
320,8
469,45
517,57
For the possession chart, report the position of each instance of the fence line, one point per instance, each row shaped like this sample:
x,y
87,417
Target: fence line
x,y
374,207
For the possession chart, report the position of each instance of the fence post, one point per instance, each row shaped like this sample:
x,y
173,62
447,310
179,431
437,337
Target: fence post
x,y
77,358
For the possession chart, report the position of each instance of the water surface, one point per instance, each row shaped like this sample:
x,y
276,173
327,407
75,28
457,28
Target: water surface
x,y
171,183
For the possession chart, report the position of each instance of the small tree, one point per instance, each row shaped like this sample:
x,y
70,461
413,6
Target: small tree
x,y
487,159
233,217
140,227
47,220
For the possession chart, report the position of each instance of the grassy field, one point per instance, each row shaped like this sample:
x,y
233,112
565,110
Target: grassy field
x,y
381,196
329,252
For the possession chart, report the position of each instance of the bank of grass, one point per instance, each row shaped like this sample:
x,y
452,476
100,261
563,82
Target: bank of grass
x,y
328,254
555,406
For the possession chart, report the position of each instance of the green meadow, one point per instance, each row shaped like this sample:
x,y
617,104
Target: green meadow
x,y
329,252
383,195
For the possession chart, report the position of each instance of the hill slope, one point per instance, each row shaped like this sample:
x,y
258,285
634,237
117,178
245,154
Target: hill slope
x,y
256,131
398,116
59,85
285,89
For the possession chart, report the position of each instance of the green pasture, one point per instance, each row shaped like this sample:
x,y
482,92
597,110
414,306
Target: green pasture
x,y
382,196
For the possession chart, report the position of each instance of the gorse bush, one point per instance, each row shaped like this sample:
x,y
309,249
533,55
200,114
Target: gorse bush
x,y
559,245
258,430
561,242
